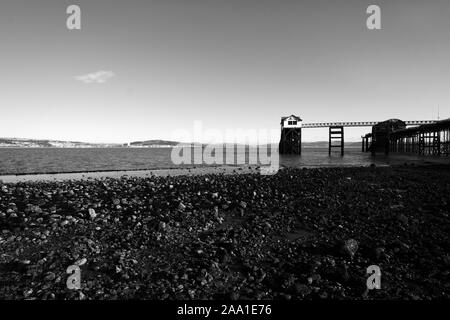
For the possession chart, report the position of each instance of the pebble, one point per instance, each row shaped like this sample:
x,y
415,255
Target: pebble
x,y
81,262
302,289
350,247
380,253
403,219
50,276
211,245
92,213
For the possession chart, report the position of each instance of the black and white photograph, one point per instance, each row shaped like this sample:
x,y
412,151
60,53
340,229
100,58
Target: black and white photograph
x,y
238,152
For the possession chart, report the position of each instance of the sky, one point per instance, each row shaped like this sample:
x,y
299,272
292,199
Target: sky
x,y
140,70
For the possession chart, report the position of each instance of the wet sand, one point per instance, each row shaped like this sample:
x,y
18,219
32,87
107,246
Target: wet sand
x,y
130,173
220,169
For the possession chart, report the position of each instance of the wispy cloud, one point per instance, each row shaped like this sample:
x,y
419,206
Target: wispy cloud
x,y
96,77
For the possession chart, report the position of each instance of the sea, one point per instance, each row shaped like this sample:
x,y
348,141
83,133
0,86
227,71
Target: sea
x,y
20,161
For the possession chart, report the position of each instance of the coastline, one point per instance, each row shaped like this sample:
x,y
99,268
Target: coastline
x,y
117,174
188,171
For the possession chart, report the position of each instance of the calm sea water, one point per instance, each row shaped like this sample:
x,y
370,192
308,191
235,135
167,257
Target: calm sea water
x,y
51,160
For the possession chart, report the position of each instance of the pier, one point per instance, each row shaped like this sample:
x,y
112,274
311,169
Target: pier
x,y
423,137
428,139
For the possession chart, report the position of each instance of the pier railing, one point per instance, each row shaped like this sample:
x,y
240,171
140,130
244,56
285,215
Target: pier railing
x,y
359,124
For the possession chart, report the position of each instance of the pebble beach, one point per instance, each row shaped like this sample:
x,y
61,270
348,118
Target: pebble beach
x,y
298,234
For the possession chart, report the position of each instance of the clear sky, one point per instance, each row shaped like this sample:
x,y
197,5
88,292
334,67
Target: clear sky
x,y
142,69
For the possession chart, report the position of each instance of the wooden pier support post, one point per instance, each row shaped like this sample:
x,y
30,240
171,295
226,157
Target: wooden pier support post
x,y
291,141
336,133
436,143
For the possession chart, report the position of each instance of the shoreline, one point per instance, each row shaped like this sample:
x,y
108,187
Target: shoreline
x,y
142,173
188,171
88,175
18,167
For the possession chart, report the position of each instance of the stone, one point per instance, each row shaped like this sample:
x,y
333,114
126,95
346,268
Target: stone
x,y
302,289
380,253
350,247
92,213
403,219
81,262
162,226
181,206
50,276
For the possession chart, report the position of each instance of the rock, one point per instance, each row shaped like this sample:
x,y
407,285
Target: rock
x,y
28,293
34,209
313,278
207,251
234,296
380,253
181,206
81,262
50,276
403,219
350,247
400,246
342,273
92,213
302,289
162,226
446,259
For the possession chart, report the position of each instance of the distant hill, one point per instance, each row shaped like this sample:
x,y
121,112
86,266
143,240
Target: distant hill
x,y
165,143
324,144
154,143
35,143
44,143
